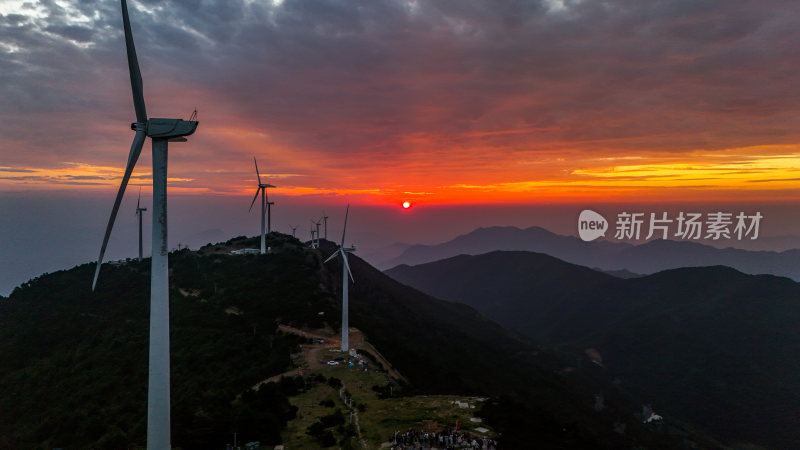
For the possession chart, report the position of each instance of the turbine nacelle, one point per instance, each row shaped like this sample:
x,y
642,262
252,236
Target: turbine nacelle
x,y
342,250
166,128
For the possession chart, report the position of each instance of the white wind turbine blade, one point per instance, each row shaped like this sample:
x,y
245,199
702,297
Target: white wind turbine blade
x,y
347,212
257,174
347,265
333,255
254,200
138,140
136,149
133,68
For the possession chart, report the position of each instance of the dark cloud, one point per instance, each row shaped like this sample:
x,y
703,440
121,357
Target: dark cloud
x,y
75,33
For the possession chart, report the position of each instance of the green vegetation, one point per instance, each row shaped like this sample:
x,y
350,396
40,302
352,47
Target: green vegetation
x,y
73,364
316,426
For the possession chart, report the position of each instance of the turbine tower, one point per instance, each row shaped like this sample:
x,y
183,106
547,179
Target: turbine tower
x,y
325,219
269,213
139,211
161,132
262,188
342,250
294,229
317,224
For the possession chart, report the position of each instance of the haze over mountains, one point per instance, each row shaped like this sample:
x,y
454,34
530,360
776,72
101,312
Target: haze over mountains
x,y
645,258
711,345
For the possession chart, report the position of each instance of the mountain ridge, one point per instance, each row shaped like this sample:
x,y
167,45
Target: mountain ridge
x,y
645,258
710,344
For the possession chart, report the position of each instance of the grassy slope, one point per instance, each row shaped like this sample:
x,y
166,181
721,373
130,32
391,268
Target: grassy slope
x,y
381,417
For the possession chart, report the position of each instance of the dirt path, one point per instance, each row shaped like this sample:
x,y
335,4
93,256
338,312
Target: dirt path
x,y
354,415
319,334
311,352
356,341
276,378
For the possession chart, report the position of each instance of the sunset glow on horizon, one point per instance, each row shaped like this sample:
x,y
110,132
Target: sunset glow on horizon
x,y
478,104
750,173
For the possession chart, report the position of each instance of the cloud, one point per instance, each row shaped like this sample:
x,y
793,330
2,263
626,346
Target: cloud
x,y
391,93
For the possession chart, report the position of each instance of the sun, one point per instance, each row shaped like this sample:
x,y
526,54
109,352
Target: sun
x,y
406,205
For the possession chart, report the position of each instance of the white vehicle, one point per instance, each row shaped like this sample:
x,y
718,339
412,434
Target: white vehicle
x,y
333,363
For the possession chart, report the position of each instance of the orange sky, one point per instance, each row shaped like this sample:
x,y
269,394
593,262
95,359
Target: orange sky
x,y
742,174
473,102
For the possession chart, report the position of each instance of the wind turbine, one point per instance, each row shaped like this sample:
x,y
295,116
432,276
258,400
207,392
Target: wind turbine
x,y
269,213
342,250
313,242
139,211
317,223
294,229
161,132
325,218
262,188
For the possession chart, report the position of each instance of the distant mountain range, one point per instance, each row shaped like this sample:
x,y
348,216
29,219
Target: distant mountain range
x,y
650,257
710,344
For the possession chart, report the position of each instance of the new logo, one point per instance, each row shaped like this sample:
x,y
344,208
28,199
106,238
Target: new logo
x,y
591,225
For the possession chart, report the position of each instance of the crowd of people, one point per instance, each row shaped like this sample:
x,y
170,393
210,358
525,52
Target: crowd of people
x,y
446,440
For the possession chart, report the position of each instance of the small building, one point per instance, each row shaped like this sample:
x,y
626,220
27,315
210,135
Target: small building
x,y
246,251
